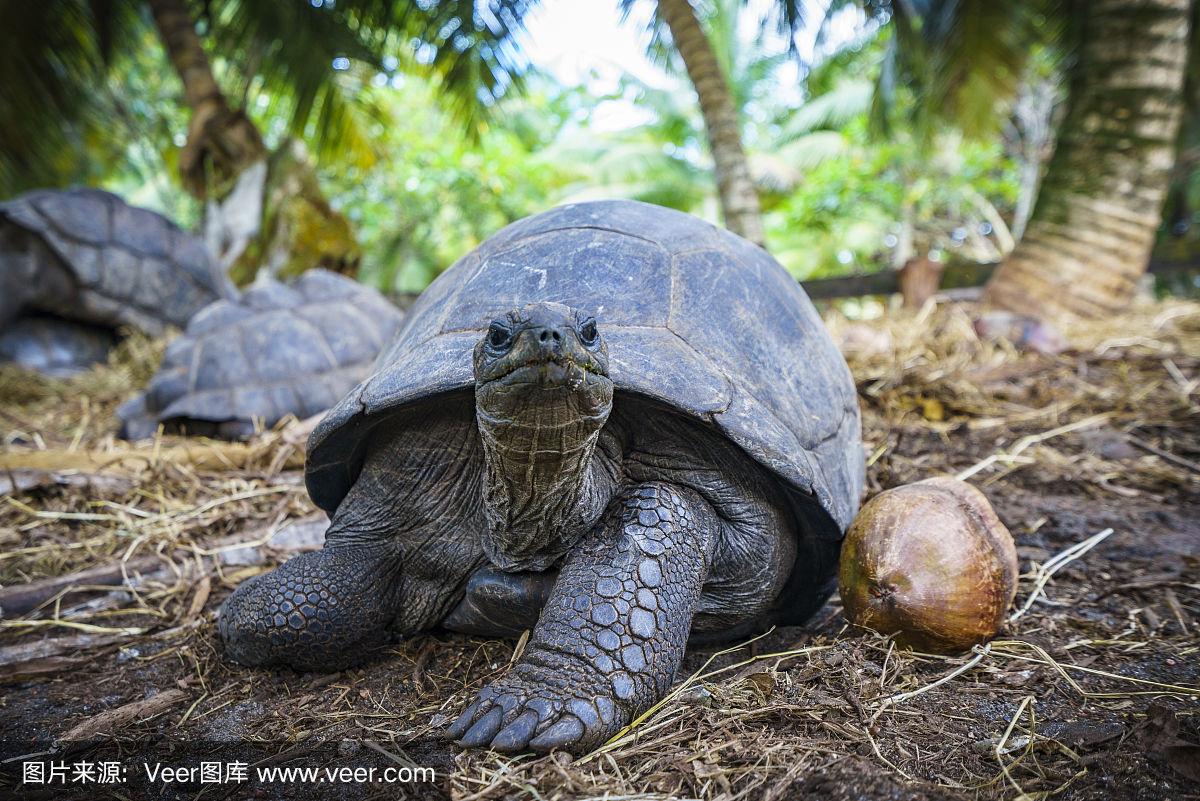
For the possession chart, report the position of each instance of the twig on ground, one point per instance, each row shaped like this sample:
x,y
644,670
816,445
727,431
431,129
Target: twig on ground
x,y
1056,563
1008,457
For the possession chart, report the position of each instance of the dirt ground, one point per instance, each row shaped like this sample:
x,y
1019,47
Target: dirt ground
x,y
1093,693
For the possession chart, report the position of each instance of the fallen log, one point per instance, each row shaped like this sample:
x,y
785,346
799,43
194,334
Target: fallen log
x,y
204,455
957,275
112,719
23,598
24,480
246,548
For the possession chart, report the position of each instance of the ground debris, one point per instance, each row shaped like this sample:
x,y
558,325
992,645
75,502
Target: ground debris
x,y
1089,694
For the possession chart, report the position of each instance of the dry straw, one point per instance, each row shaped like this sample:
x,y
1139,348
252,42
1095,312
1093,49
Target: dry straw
x,y
1067,446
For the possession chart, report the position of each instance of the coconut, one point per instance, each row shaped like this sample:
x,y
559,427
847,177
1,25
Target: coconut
x,y
931,563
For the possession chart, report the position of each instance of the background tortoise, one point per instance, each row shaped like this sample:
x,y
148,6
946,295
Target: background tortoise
x,y
54,346
277,350
84,255
625,393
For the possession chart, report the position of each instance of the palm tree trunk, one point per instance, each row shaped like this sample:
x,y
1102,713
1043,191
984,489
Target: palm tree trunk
x,y
260,213
221,142
739,199
1100,204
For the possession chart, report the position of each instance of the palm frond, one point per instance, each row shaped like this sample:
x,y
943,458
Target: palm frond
x,y
54,58
829,111
814,149
962,59
469,47
302,53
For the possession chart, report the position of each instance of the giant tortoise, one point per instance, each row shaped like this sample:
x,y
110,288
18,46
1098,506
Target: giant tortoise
x,y
85,256
276,350
611,413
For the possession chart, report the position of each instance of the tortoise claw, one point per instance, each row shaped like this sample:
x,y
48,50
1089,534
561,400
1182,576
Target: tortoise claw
x,y
484,729
515,736
463,722
562,734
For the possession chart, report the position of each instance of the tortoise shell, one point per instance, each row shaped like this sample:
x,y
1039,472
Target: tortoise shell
x,y
55,347
694,317
277,350
114,264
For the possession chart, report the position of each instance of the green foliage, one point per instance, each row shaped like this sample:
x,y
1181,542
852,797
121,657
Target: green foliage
x,y
428,150
656,162
849,212
437,192
956,62
52,126
297,65
836,197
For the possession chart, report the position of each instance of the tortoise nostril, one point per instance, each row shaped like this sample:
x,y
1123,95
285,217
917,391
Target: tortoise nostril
x,y
544,335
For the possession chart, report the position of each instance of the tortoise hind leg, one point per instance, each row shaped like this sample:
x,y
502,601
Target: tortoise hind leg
x,y
324,610
500,604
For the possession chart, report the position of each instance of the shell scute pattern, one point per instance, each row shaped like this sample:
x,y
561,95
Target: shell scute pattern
x,y
127,265
693,316
279,350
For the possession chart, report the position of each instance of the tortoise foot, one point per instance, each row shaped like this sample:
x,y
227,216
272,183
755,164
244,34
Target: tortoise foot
x,y
521,713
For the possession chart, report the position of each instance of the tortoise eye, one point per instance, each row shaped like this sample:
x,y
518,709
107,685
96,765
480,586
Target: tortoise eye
x,y
588,332
498,336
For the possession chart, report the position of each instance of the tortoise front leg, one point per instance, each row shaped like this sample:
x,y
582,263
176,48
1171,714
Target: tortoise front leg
x,y
397,555
612,636
324,610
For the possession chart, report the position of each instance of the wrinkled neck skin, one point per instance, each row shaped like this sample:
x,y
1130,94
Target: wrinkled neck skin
x,y
545,483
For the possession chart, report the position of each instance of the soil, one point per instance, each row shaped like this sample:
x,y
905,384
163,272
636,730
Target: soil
x,y
1090,695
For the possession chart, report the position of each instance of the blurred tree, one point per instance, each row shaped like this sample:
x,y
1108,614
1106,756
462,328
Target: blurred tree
x,y
704,42
735,187
296,56
865,204
658,161
833,198
1094,222
436,192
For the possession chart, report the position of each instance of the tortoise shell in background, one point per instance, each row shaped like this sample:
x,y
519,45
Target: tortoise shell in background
x,y
278,350
53,346
86,255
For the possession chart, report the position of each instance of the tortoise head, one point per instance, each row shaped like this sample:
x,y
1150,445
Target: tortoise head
x,y
543,355
542,395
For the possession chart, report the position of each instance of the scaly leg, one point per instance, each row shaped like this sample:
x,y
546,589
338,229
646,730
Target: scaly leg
x,y
397,556
323,610
612,636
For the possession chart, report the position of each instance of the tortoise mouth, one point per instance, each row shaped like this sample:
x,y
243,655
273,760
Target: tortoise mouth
x,y
551,372
537,390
